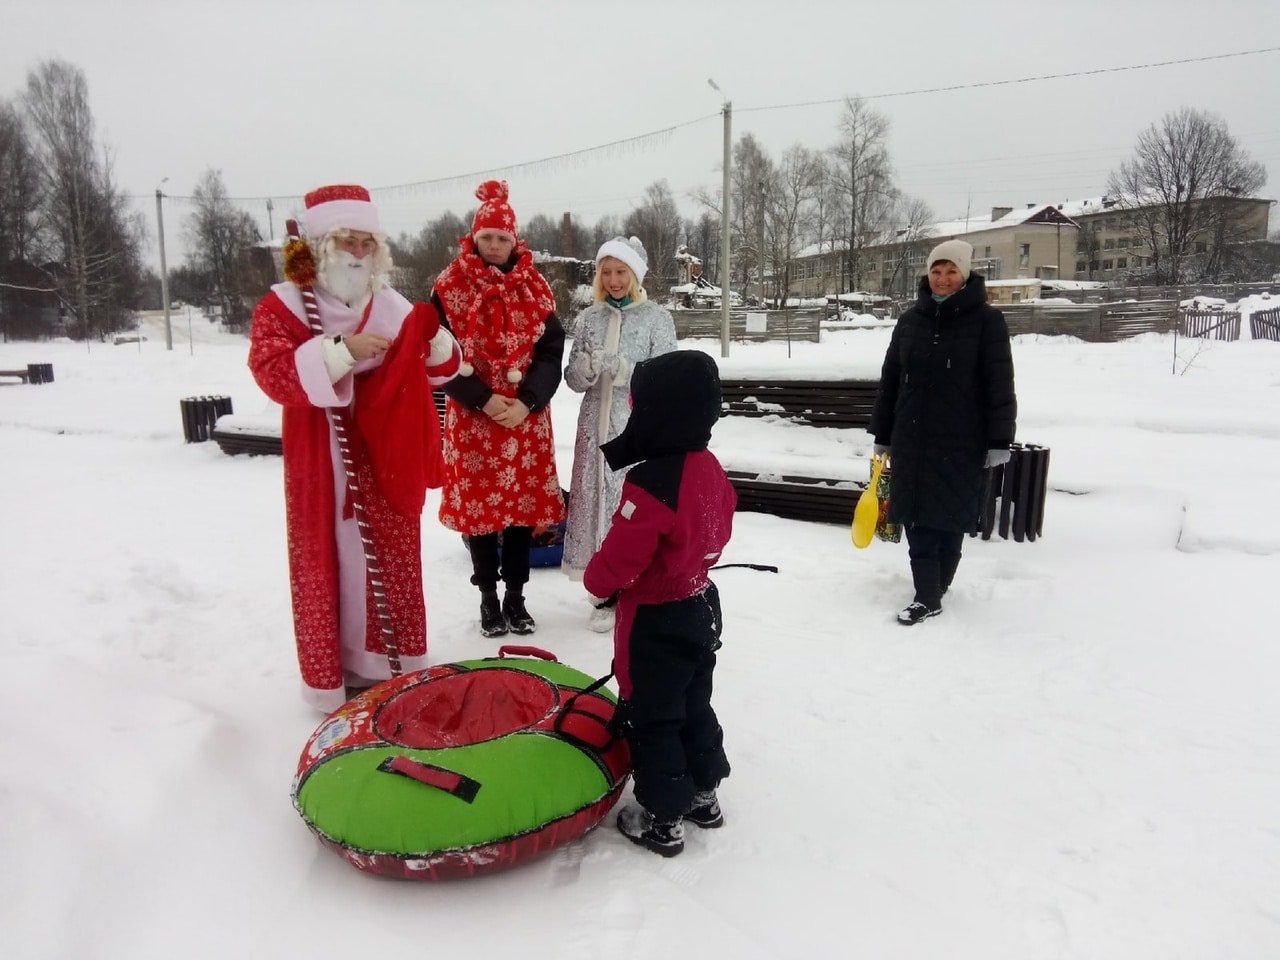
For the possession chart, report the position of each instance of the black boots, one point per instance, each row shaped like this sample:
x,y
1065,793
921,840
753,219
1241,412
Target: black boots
x,y
663,837
518,618
492,622
704,811
497,619
947,567
927,576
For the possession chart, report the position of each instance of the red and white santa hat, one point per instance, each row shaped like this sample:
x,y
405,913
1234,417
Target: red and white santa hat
x,y
338,206
494,213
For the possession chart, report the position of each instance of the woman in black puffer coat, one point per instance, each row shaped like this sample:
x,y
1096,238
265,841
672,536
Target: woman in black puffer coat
x,y
946,409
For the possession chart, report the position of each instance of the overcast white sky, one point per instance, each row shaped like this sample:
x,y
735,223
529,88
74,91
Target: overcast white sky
x,y
284,96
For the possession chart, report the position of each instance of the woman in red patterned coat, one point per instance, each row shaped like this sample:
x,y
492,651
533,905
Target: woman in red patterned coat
x,y
499,453
374,347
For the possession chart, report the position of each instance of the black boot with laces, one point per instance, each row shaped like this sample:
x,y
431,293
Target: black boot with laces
x,y
518,618
704,811
492,622
915,611
663,837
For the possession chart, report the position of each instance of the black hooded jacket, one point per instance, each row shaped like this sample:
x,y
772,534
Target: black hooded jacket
x,y
946,397
675,401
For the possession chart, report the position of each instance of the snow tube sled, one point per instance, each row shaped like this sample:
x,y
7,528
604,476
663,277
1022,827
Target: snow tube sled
x,y
463,768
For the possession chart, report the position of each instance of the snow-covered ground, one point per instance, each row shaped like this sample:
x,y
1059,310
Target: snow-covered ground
x,y
1079,759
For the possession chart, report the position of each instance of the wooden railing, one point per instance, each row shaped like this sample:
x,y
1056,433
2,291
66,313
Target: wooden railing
x,y
1265,324
758,326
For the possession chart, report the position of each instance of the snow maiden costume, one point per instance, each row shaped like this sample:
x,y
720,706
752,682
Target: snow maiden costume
x,y
397,449
630,330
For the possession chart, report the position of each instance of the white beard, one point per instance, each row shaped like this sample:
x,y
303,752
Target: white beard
x,y
347,277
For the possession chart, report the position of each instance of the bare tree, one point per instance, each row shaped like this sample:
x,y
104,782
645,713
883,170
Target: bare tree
x,y
751,173
22,287
221,237
84,228
794,199
829,211
704,240
19,188
418,260
543,234
914,218
1178,190
863,176
658,225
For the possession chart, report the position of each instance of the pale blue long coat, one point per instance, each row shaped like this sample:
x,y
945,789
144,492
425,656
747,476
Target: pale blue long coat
x,y
641,330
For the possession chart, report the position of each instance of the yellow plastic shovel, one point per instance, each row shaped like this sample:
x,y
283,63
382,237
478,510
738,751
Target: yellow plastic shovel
x,y
867,512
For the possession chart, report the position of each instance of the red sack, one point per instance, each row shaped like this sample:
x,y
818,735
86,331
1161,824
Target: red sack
x,y
397,418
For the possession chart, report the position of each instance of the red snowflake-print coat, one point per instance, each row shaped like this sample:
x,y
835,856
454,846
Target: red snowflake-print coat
x,y
334,617
505,323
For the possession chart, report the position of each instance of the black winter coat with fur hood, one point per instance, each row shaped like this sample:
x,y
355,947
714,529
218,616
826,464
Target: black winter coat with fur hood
x,y
946,397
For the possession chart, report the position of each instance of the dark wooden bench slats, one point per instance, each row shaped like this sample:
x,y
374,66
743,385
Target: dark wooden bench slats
x,y
822,403
797,498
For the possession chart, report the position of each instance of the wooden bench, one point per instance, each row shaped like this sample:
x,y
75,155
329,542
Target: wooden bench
x,y
796,498
822,403
24,375
231,440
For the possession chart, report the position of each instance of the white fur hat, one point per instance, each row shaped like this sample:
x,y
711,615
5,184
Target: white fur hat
x,y
631,252
957,251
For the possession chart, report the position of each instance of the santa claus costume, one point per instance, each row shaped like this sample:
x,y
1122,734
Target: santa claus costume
x,y
395,441
500,479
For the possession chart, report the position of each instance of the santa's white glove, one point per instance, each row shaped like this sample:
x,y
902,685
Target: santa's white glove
x,y
338,360
441,348
996,457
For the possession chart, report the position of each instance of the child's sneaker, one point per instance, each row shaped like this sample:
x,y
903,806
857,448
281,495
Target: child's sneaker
x,y
917,612
704,810
664,837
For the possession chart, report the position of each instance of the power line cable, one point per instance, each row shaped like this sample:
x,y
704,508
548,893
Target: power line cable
x,y
644,139
1005,83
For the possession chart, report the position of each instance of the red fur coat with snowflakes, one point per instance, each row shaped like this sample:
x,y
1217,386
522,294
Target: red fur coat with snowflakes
x,y
498,477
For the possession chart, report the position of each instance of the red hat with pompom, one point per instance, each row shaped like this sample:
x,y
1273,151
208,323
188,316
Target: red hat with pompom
x,y
494,213
341,205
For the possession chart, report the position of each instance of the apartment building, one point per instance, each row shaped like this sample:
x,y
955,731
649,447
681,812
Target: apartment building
x,y
1092,239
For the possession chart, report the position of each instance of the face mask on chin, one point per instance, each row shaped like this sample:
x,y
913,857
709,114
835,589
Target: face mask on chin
x,y
347,277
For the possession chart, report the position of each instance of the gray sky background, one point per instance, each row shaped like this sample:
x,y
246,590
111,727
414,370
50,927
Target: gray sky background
x,y
283,96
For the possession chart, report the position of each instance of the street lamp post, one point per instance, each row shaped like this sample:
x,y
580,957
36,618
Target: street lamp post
x,y
164,270
761,255
727,111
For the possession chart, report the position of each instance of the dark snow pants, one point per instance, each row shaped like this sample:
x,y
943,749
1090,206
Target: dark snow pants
x,y
513,569
677,746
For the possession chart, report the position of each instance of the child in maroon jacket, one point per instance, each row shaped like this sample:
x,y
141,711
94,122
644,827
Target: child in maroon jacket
x,y
674,519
